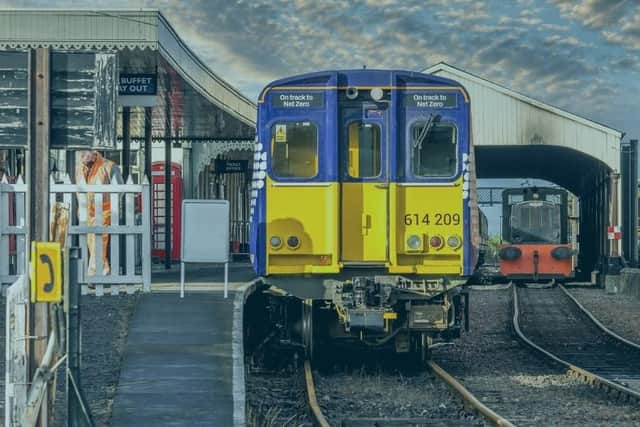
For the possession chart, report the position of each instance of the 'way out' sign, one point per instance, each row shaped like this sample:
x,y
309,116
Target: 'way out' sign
x,y
137,90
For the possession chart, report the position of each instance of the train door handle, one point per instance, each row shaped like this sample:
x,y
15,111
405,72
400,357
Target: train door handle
x,y
366,223
384,185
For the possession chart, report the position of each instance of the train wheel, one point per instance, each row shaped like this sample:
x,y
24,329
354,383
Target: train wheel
x,y
307,328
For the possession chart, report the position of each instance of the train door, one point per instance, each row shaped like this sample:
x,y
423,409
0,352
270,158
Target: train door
x,y
364,184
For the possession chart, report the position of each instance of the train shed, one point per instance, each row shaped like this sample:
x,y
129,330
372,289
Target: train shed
x,y
516,136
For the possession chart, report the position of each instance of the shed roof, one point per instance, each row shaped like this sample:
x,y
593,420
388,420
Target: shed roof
x,y
457,72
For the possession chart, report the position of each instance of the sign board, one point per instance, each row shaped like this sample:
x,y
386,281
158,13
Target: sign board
x,y
281,133
205,231
205,235
431,100
137,90
231,166
297,99
46,272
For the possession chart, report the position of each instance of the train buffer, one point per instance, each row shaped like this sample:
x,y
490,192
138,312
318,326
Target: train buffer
x,y
182,363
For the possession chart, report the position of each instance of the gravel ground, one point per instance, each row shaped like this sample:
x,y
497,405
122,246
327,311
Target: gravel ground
x,y
384,394
276,398
620,313
105,323
510,379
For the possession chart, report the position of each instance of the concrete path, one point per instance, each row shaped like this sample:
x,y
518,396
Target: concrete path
x,y
178,364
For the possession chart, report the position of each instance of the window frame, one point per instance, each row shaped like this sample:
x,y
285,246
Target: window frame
x,y
271,129
345,150
410,150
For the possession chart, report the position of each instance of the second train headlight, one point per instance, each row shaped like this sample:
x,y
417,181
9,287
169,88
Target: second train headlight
x,y
454,242
414,242
293,242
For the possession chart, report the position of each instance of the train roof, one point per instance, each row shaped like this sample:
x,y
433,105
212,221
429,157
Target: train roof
x,y
360,77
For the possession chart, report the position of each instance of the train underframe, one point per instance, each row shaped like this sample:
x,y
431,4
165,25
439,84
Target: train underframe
x,y
392,313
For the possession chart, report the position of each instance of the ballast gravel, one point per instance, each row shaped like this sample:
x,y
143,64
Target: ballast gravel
x,y
618,312
517,383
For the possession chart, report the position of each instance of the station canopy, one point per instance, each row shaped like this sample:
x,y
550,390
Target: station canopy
x,y
192,104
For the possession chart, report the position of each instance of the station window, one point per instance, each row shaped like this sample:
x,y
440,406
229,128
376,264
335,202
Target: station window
x,y
364,150
294,150
434,149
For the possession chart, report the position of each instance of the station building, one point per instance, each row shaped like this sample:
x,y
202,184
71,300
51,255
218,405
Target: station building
x,y
123,82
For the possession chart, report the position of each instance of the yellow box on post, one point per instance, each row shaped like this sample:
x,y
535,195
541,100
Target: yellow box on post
x,y
46,272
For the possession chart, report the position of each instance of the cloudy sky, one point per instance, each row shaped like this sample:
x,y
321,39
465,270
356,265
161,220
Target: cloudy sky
x,y
581,55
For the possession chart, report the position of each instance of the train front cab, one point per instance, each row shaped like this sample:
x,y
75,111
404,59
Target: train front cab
x,y
347,200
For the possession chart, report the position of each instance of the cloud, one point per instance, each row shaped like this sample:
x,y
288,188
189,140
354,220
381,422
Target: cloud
x,y
595,14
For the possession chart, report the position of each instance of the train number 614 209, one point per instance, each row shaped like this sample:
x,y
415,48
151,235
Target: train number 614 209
x,y
439,219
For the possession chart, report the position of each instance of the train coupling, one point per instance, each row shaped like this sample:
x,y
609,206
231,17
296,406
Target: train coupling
x,y
382,304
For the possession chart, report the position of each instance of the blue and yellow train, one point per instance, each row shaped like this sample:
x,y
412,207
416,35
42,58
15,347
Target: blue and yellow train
x,y
363,204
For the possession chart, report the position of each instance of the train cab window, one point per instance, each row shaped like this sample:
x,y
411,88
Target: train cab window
x,y
294,150
364,150
535,222
434,149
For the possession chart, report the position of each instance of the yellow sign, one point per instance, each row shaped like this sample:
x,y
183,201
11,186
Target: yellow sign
x,y
46,272
281,133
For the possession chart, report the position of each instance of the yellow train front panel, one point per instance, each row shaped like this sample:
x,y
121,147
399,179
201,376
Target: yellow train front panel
x,y
427,236
308,215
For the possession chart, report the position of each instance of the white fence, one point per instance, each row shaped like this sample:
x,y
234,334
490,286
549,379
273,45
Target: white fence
x,y
129,242
16,385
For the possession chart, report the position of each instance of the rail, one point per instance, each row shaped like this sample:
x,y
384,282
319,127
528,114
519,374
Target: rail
x,y
467,397
579,373
318,417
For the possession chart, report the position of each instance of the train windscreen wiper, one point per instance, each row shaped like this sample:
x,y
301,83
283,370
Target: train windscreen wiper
x,y
424,132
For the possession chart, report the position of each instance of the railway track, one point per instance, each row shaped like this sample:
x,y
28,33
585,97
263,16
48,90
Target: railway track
x,y
470,402
552,322
512,380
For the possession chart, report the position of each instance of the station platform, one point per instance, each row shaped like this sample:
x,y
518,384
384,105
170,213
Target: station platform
x,y
183,362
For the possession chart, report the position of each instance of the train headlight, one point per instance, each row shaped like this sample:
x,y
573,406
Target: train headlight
x,y
414,242
275,242
293,242
562,252
510,253
454,242
436,242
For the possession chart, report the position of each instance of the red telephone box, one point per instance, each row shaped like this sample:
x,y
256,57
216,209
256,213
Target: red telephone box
x,y
158,210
